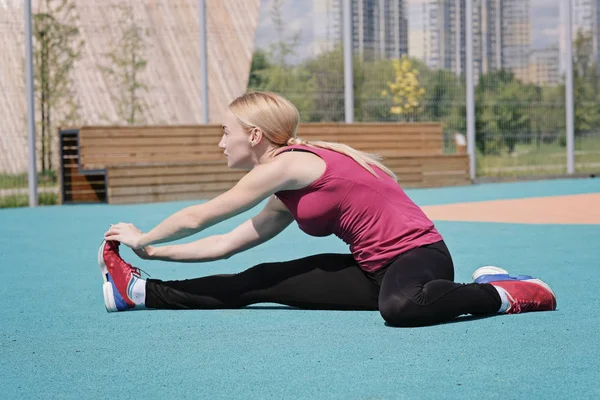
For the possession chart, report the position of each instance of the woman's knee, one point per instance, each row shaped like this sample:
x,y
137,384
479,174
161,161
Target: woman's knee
x,y
398,310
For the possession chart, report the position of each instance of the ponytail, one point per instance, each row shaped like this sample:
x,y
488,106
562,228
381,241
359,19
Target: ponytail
x,y
366,160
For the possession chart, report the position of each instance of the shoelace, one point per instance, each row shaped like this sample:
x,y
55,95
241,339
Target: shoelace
x,y
136,270
521,305
527,305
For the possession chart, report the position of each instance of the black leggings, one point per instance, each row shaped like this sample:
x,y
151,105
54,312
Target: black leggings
x,y
415,289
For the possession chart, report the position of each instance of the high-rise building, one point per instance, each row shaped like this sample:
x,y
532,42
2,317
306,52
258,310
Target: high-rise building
x,y
501,35
327,25
585,16
444,34
491,35
379,27
516,36
544,66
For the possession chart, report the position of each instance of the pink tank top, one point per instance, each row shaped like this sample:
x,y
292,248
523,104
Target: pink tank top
x,y
374,216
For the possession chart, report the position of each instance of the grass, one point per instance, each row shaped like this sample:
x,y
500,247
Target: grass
x,y
17,181
22,200
551,158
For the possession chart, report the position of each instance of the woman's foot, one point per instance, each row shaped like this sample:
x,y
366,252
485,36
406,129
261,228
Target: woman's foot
x,y
121,288
521,293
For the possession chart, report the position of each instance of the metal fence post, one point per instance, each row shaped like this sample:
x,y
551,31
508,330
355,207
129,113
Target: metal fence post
x,y
32,170
348,72
569,101
470,88
203,61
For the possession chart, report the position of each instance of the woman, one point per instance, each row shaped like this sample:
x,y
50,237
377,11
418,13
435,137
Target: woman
x,y
398,264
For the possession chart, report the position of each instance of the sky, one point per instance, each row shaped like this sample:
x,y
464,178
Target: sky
x,y
300,18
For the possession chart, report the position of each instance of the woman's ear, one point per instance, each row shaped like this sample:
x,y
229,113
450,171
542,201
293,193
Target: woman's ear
x,y
256,136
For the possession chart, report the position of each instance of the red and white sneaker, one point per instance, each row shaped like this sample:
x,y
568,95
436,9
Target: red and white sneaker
x,y
119,277
524,293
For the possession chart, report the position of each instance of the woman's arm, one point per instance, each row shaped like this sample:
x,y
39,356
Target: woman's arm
x,y
273,219
254,187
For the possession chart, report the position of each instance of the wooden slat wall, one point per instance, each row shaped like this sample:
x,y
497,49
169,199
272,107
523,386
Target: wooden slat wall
x,y
406,138
76,186
169,182
205,180
151,164
106,146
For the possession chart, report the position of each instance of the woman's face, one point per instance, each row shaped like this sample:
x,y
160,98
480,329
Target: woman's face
x,y
236,143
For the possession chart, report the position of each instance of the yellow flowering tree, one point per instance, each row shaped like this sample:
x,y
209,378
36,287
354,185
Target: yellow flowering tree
x,y
405,90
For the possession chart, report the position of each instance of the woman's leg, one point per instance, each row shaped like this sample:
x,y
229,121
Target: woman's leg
x,y
323,281
418,289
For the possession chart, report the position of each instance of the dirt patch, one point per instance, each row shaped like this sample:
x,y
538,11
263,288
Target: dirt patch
x,y
571,209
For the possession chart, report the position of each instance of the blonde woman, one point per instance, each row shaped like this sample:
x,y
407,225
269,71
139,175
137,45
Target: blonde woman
x,y
398,263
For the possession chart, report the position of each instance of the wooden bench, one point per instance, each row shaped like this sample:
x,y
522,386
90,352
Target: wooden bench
x,y
149,164
148,183
100,147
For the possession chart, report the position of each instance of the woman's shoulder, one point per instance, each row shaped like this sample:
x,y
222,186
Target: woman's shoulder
x,y
303,167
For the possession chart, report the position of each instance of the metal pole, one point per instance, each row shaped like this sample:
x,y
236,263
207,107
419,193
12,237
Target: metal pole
x,y
470,89
348,73
33,195
569,101
203,62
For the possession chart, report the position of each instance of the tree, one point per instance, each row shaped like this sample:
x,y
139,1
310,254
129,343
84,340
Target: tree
x,y
260,63
284,47
502,110
548,114
406,90
56,49
126,64
370,81
293,82
586,85
445,98
327,74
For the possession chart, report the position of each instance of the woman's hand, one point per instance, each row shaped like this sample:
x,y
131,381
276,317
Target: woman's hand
x,y
127,234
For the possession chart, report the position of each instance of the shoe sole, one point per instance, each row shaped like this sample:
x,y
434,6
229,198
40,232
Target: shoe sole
x,y
488,270
107,288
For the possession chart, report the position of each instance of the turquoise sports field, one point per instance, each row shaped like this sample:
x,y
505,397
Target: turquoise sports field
x,y
58,342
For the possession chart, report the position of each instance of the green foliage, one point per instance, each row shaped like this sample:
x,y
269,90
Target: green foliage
x,y
369,104
126,63
326,72
22,200
260,65
10,181
586,85
405,89
56,48
503,106
445,99
270,70
507,110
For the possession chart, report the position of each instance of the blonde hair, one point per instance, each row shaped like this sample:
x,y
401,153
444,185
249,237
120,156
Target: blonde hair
x,y
278,119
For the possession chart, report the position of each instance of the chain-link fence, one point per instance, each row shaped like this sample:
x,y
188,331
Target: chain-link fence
x,y
520,107
136,62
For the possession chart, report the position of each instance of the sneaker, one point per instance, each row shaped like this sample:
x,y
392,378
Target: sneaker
x,y
525,293
118,276
491,273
